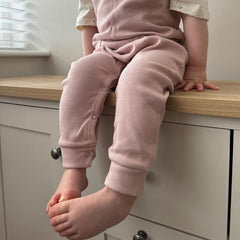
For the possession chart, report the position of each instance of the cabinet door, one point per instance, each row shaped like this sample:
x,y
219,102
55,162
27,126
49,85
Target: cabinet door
x,y
235,204
187,188
30,175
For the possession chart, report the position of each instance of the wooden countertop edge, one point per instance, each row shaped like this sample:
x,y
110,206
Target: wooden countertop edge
x,y
212,107
48,87
32,93
194,106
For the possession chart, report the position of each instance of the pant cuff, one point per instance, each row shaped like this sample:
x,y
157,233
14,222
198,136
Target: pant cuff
x,y
77,158
125,180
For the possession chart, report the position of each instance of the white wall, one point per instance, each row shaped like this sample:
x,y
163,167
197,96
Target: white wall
x,y
224,47
52,24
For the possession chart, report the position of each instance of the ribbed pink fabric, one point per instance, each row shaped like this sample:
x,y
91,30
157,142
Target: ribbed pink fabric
x,y
139,50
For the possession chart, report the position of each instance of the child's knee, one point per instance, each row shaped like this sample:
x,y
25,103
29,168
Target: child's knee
x,y
81,73
81,67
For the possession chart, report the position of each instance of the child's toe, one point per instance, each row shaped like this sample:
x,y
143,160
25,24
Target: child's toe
x,y
62,227
54,199
59,219
67,232
58,209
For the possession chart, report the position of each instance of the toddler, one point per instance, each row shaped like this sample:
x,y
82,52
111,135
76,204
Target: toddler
x,y
137,47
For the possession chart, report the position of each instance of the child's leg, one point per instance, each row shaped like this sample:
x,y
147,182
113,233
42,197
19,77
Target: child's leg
x,y
84,91
142,91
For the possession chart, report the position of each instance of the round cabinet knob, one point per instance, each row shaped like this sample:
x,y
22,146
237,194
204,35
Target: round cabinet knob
x,y
56,153
141,235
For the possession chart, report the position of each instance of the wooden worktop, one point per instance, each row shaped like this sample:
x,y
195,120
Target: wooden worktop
x,y
223,102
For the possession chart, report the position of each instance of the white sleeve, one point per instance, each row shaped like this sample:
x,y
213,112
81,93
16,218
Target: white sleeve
x,y
86,15
195,8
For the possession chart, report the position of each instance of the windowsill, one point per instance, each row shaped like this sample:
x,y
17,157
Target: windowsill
x,y
25,53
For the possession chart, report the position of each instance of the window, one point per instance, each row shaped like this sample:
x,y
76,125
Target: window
x,y
12,24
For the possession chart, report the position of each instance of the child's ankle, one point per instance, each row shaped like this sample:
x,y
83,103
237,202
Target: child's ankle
x,y
129,199
74,177
76,172
82,171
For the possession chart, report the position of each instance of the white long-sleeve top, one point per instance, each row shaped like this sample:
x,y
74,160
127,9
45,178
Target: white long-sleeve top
x,y
196,8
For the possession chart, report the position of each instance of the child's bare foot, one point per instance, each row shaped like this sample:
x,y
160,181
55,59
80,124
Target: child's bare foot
x,y
85,217
72,183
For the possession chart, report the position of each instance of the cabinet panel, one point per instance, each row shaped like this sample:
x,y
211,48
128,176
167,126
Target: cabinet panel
x,y
2,219
30,175
131,225
235,204
187,188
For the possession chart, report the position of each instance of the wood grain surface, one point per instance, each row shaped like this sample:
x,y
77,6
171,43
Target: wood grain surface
x,y
223,102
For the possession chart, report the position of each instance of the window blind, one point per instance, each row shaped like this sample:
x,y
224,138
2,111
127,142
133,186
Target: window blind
x,y
12,24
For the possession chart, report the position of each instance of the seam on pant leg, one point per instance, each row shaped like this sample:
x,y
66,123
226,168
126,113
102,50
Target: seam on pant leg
x,y
100,99
92,122
96,111
103,91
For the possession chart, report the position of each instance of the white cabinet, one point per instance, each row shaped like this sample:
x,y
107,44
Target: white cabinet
x,y
186,195
30,176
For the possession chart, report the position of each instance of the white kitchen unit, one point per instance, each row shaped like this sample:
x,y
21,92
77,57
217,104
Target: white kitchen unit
x,y
191,193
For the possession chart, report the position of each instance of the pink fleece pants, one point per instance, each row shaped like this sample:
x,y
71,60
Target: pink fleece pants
x,y
144,71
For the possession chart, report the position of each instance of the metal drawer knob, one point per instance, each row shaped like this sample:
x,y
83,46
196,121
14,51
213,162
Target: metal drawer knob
x,y
56,153
141,235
